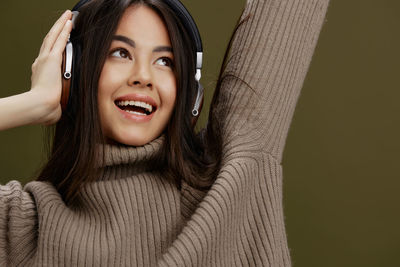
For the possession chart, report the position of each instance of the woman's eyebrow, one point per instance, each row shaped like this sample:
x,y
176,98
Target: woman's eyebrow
x,y
124,39
162,49
132,43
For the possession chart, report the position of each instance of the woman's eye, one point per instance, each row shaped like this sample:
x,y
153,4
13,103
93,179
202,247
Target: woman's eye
x,y
165,61
121,53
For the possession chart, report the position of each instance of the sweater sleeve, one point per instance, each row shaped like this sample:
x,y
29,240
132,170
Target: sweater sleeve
x,y
18,225
265,69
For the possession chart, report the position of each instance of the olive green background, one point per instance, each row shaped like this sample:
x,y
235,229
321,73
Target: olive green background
x,y
341,162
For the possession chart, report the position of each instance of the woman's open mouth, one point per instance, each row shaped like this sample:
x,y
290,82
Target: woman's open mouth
x,y
136,107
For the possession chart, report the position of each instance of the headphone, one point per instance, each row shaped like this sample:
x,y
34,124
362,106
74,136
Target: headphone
x,y
72,55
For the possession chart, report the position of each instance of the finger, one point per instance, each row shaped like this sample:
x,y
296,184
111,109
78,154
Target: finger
x,y
62,39
52,35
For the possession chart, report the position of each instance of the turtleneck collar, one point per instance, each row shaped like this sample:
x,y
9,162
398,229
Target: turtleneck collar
x,y
119,154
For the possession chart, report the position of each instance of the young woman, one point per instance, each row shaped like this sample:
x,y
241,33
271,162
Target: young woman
x,y
128,182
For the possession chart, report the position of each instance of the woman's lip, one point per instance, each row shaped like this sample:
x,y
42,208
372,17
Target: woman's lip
x,y
138,97
134,117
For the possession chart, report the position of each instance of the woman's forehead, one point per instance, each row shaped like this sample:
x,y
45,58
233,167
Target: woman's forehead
x,y
143,25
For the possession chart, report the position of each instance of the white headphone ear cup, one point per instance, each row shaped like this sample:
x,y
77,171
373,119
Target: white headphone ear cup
x,y
66,75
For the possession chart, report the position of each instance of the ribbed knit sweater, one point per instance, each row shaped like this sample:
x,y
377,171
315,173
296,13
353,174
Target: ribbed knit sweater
x,y
133,216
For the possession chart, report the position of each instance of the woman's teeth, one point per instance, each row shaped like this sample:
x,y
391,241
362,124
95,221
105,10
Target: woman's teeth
x,y
140,104
135,112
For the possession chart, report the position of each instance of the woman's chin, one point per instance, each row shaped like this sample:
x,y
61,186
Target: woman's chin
x,y
129,140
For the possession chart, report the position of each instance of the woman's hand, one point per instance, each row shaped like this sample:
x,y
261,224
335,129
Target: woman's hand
x,y
40,105
46,71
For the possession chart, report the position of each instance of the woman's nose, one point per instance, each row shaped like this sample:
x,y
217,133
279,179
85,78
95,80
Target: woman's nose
x,y
140,75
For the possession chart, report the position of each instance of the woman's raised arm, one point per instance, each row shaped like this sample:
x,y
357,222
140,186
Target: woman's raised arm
x,y
40,105
265,69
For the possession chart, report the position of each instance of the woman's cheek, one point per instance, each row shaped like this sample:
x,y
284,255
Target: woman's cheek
x,y
170,91
113,73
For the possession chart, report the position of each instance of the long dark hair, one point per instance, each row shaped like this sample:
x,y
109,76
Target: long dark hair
x,y
73,154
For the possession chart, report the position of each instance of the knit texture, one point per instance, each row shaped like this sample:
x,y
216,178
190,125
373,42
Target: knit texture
x,y
133,216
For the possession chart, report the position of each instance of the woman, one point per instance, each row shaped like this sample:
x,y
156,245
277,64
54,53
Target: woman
x,y
120,190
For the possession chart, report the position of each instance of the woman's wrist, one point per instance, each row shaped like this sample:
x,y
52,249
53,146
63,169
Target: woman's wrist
x,y
44,110
26,109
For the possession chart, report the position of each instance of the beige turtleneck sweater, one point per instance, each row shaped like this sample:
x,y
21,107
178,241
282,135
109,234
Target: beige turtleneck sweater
x,y
133,217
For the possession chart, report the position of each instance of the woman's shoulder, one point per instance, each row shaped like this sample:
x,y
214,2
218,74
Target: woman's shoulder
x,y
15,194
19,221
13,190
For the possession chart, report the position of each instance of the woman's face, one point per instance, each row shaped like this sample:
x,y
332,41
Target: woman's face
x,y
137,86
